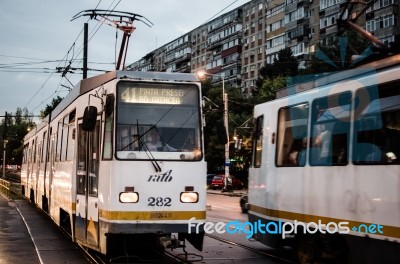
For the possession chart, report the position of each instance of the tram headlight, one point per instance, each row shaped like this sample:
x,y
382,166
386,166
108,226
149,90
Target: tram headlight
x,y
128,197
189,197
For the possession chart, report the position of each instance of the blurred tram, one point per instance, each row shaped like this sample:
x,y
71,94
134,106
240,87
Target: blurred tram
x,y
89,165
327,152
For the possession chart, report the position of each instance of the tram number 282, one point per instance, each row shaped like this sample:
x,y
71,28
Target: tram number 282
x,y
159,201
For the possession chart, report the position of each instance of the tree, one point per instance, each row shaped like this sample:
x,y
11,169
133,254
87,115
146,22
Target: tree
x,y
50,107
269,88
273,76
17,126
240,112
285,65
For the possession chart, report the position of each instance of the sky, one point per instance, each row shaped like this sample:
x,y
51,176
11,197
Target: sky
x,y
38,36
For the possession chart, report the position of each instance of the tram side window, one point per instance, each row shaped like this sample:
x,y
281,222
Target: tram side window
x,y
64,138
292,136
108,128
258,142
59,140
50,146
34,150
25,154
44,148
330,126
94,161
377,126
71,136
39,152
81,170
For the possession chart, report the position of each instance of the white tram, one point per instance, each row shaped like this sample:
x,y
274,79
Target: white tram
x,y
91,167
327,153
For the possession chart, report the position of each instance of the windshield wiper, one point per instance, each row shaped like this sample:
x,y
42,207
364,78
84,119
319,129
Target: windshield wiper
x,y
149,155
138,138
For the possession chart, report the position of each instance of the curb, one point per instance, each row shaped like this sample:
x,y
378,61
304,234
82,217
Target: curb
x,y
231,194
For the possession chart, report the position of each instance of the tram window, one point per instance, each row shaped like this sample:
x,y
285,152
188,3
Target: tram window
x,y
24,157
71,131
51,141
377,126
64,144
108,127
330,125
34,150
292,136
258,142
170,109
94,160
59,140
44,148
39,153
81,164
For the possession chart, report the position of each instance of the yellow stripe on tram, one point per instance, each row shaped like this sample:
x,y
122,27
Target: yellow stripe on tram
x,y
156,215
388,231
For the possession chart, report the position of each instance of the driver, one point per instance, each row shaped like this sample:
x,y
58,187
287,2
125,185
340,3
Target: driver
x,y
156,143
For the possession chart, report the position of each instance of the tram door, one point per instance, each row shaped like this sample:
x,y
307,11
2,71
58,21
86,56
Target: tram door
x,y
87,211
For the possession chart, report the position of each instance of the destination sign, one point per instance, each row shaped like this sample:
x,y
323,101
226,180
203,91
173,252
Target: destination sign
x,y
152,95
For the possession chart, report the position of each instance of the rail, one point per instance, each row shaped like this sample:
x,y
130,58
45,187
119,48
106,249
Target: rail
x,y
5,187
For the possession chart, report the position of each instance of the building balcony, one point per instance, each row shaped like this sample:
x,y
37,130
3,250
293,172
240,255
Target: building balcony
x,y
184,57
227,52
182,46
183,68
386,32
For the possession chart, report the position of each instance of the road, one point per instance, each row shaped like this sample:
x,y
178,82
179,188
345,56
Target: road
x,y
226,209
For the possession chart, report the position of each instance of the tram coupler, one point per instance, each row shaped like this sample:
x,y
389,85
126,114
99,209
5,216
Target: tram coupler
x,y
170,242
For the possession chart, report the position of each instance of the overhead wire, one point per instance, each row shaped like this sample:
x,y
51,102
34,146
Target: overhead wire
x,y
54,71
81,47
219,12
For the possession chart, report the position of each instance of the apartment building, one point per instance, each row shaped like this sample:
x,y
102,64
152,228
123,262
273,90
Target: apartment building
x,y
235,45
382,20
218,48
254,40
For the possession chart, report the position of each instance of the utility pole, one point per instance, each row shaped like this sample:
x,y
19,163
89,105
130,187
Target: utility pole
x,y
85,50
4,145
227,159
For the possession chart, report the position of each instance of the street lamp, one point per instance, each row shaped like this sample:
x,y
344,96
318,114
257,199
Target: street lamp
x,y
201,75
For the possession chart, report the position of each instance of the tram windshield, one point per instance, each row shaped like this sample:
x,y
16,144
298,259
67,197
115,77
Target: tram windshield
x,y
158,121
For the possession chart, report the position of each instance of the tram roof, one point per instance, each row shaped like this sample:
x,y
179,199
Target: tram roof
x,y
305,83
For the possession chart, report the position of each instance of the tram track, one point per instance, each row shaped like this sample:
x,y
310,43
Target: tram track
x,y
157,257
13,192
263,253
162,257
